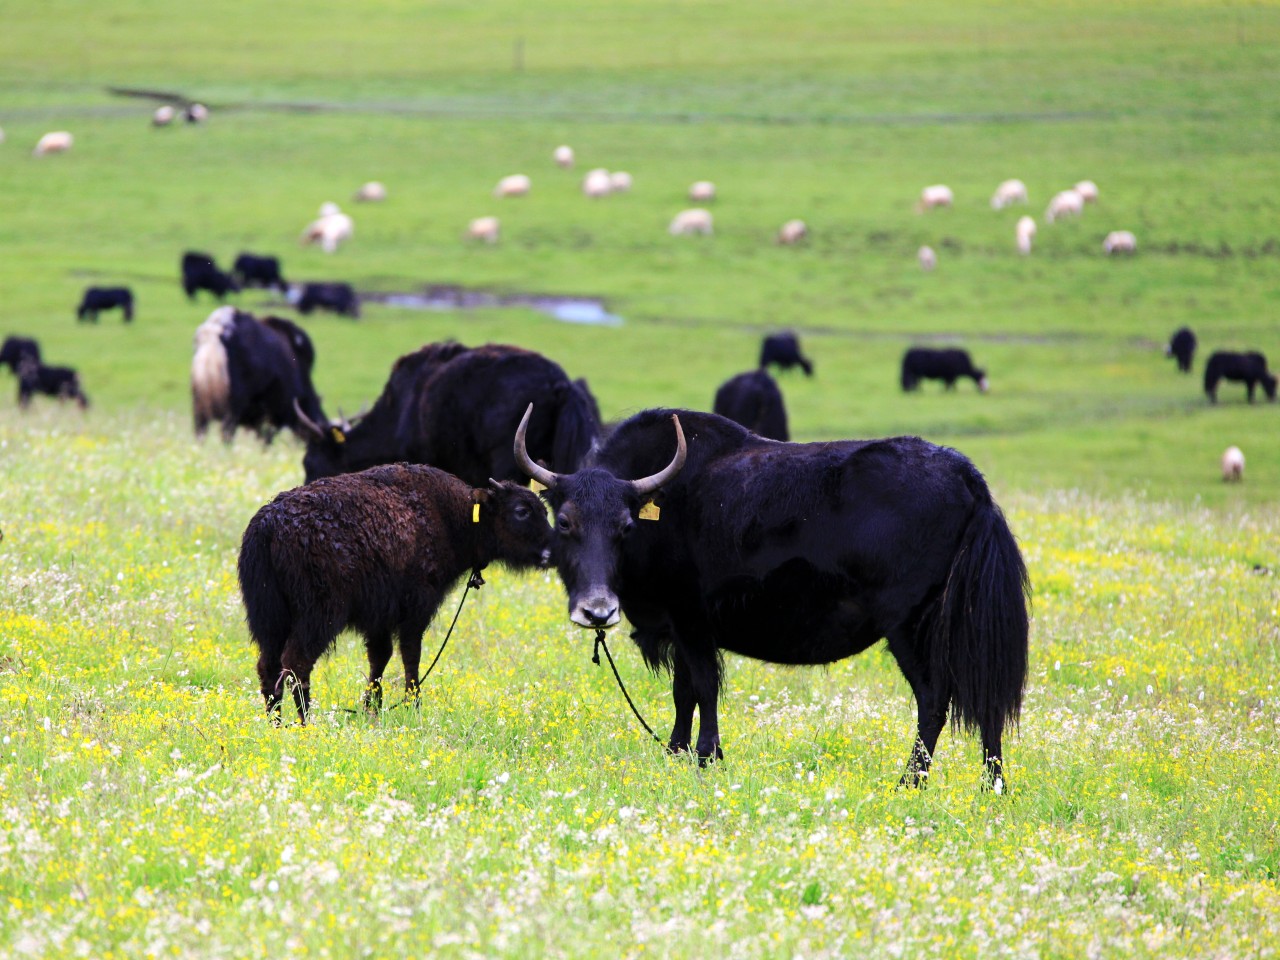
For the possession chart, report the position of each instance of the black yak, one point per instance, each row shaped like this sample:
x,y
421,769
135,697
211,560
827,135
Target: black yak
x,y
798,554
1249,368
252,270
949,365
783,349
340,298
17,349
61,382
1182,346
457,408
199,272
96,299
753,400
374,552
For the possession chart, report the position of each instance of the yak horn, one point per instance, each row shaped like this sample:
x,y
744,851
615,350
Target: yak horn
x,y
525,462
648,485
307,422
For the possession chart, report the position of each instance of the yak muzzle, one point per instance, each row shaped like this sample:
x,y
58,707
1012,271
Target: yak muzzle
x,y
596,612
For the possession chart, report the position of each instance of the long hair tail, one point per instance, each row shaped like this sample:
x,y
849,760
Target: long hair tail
x,y
210,375
980,635
266,606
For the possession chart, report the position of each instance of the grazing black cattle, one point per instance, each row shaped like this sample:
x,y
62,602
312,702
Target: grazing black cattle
x,y
1251,368
61,382
105,298
1182,346
797,554
199,272
252,373
922,363
339,298
783,349
375,552
457,409
17,349
754,400
251,270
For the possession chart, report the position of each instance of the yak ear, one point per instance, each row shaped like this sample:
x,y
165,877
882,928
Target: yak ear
x,y
481,495
336,434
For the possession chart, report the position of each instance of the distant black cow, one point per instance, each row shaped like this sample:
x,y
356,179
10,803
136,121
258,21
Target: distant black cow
x,y
1182,346
252,373
61,382
1251,368
199,272
339,298
251,270
921,363
783,349
799,554
457,408
17,349
375,552
105,298
754,400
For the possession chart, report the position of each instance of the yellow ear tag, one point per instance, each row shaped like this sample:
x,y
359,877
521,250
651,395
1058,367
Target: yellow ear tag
x,y
475,513
535,486
338,435
650,511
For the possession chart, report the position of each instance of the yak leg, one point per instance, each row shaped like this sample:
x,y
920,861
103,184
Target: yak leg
x,y
411,655
378,650
992,761
296,665
932,700
271,681
685,701
701,688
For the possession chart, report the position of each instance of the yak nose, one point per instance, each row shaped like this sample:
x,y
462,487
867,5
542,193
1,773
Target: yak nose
x,y
545,560
596,612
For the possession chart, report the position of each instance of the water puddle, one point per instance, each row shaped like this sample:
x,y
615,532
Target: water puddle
x,y
569,309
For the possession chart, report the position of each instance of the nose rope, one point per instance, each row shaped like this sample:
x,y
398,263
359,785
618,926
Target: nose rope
x,y
595,658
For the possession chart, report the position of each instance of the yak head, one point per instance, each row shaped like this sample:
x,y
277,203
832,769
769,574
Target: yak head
x,y
514,525
595,512
326,445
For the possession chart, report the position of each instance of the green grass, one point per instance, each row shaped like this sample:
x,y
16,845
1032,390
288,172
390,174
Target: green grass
x,y
147,809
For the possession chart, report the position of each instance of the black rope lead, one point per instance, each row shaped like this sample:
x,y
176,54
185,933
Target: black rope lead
x,y
595,658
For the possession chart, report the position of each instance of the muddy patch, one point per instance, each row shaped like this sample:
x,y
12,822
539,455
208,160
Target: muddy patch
x,y
569,309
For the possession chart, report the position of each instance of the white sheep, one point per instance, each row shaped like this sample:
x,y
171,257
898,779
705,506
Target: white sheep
x,y
619,181
483,228
563,156
702,191
1,135
928,259
329,230
1088,190
1068,203
1025,232
1232,465
196,113
516,185
57,142
692,221
371,192
1008,193
792,232
937,195
597,183
163,116
1119,241
328,209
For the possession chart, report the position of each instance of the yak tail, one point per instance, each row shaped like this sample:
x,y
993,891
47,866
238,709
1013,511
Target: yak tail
x,y
577,425
980,635
266,606
210,375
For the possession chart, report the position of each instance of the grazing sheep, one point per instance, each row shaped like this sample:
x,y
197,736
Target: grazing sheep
x,y
1025,232
516,185
196,113
1088,191
563,156
371,192
1119,241
928,259
619,181
483,228
702,191
330,229
937,195
689,222
1068,203
1008,193
164,116
792,232
375,552
597,183
1232,465
57,142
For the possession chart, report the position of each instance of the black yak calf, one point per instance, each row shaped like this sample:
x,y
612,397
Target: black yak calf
x,y
1182,346
61,382
17,349
1251,368
922,363
783,349
340,298
375,552
104,298
199,272
754,400
251,270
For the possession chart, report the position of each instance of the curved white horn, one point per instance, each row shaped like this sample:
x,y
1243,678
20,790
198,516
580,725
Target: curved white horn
x,y
648,485
525,462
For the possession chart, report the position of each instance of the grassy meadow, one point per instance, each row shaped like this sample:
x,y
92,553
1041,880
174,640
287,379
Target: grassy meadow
x,y
147,808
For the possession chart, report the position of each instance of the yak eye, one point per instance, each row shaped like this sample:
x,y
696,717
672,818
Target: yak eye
x,y
562,523
627,526
522,511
